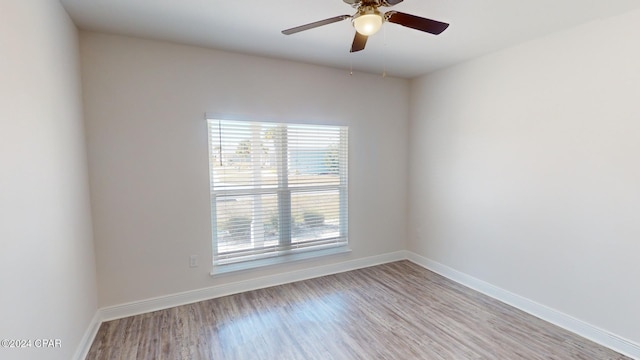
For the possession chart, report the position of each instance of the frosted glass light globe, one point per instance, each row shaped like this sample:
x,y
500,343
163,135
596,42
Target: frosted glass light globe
x,y
368,24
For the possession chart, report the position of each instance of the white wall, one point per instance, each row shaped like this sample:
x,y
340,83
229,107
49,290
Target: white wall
x,y
145,103
524,171
47,266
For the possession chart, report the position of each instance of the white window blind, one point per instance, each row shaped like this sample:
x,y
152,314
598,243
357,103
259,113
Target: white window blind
x,y
276,189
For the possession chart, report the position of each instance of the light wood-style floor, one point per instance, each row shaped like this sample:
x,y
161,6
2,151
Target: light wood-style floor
x,y
391,311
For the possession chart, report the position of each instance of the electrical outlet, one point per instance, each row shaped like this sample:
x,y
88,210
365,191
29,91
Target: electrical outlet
x,y
193,261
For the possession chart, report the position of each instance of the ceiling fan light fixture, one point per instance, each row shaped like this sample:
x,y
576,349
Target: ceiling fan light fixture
x,y
368,21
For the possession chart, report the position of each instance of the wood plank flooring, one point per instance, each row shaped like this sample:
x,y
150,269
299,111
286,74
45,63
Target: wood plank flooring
x,y
391,311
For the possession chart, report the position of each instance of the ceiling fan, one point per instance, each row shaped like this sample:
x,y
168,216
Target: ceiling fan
x,y
368,19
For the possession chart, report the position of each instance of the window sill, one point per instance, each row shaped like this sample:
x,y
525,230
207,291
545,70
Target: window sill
x,y
282,259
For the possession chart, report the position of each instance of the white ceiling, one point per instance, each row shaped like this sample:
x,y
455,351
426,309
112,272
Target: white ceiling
x,y
253,27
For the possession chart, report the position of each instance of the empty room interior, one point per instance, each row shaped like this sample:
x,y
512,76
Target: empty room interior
x,y
207,179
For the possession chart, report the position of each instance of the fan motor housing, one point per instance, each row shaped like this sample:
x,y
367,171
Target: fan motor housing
x,y
374,3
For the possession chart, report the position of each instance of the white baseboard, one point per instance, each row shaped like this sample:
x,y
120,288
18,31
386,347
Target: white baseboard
x,y
593,333
89,336
188,297
579,327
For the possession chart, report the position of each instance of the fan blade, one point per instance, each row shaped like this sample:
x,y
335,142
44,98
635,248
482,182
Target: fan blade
x,y
388,3
359,42
416,22
315,24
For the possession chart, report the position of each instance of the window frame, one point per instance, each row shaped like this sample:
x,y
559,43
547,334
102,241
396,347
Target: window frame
x,y
284,251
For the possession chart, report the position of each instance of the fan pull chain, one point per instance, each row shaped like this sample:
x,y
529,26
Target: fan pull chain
x,y
384,52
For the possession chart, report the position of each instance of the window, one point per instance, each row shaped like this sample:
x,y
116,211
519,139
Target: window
x,y
278,192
